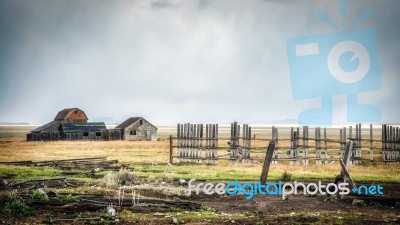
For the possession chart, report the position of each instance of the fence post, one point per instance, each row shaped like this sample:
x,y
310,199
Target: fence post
x,y
317,146
356,146
397,147
297,144
325,147
371,151
275,139
341,153
267,162
305,143
170,149
344,174
346,157
292,143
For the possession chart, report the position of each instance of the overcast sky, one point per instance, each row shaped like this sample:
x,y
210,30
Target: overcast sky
x,y
172,61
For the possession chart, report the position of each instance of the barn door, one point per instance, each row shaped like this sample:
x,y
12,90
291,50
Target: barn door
x,y
148,135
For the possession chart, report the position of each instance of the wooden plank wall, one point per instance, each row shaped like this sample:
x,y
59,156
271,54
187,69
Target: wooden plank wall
x,y
44,136
190,143
390,143
211,147
111,134
246,146
234,143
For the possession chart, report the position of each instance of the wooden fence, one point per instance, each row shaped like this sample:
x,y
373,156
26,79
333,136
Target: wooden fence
x,y
190,143
390,143
301,148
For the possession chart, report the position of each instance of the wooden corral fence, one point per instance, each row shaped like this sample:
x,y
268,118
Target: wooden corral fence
x,y
234,143
237,151
190,143
190,146
302,147
390,143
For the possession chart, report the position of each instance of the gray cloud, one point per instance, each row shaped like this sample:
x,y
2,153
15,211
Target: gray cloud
x,y
170,61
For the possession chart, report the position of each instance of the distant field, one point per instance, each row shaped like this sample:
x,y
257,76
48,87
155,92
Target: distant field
x,y
13,147
164,131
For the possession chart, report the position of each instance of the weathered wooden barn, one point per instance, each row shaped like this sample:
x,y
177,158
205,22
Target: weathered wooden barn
x,y
71,124
73,115
137,128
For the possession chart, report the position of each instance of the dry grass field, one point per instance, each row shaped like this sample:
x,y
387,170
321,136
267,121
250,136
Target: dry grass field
x,y
13,147
149,160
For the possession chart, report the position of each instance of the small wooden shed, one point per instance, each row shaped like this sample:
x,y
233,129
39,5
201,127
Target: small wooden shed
x,y
138,128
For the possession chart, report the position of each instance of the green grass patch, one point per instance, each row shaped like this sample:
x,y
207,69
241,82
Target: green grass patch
x,y
28,173
14,206
229,173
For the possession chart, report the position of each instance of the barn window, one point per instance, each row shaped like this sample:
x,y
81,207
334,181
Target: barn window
x,y
141,122
85,134
133,132
98,134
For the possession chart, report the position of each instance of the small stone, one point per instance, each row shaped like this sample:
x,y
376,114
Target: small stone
x,y
52,194
158,214
182,181
358,202
175,220
111,211
3,183
95,170
176,199
41,191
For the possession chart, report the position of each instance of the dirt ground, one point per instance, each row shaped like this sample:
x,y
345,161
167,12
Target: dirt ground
x,y
297,209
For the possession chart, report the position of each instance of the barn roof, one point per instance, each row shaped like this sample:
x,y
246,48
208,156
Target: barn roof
x,y
129,121
46,126
82,127
63,113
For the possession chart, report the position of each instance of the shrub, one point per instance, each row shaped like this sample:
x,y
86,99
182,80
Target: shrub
x,y
37,196
286,176
70,198
15,206
208,209
118,178
151,179
168,177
